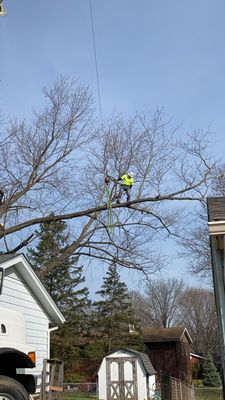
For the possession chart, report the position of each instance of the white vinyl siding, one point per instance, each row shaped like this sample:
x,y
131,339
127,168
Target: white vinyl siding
x,y
17,296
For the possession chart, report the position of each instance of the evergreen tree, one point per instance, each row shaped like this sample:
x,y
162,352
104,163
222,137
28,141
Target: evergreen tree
x,y
64,285
211,376
114,317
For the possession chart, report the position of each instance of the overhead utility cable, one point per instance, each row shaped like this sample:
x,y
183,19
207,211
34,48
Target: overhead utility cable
x,y
96,63
108,197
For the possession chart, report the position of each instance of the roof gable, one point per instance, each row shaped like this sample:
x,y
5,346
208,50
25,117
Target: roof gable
x,y
23,268
144,358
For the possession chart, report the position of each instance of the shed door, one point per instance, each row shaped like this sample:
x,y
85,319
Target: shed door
x,y
121,375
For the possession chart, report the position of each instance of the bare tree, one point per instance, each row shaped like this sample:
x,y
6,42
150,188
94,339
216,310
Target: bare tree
x,y
199,317
167,303
195,242
160,306
54,169
195,245
138,302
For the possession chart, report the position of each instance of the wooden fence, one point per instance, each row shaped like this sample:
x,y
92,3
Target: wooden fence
x,y
174,389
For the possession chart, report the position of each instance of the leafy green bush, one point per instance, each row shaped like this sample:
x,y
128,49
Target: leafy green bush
x,y
197,383
196,371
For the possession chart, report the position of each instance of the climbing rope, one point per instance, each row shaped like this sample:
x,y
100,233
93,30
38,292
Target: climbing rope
x,y
109,204
109,209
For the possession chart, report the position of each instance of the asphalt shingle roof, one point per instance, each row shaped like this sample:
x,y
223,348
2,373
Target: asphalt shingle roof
x,y
6,257
143,357
165,334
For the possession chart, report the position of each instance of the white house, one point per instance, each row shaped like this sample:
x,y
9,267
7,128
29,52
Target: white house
x,y
126,374
23,292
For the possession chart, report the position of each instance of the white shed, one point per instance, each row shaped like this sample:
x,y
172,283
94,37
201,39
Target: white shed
x,y
126,374
23,292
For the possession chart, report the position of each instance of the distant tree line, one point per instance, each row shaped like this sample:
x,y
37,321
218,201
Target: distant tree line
x,y
167,303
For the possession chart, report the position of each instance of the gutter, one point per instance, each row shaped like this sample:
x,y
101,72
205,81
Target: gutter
x,y
50,330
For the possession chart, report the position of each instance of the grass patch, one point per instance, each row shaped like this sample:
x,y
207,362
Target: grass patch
x,y
78,396
72,396
200,394
208,394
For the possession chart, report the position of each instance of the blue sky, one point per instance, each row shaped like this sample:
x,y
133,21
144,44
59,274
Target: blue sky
x,y
150,54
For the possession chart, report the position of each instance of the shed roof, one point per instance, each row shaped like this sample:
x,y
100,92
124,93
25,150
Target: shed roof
x,y
22,267
174,334
144,358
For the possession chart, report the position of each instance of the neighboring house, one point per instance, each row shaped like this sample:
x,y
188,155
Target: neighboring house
x,y
126,374
169,351
196,360
23,292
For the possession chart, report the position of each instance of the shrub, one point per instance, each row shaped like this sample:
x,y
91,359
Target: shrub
x,y
211,376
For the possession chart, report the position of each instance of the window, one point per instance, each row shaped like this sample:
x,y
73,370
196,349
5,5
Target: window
x,y
3,328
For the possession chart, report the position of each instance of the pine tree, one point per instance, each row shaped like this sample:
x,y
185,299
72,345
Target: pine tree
x,y
64,285
211,376
114,316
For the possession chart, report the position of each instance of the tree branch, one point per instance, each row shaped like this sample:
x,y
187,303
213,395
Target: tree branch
x,y
171,197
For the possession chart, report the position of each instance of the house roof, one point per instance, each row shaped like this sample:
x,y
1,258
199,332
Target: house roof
x,y
174,334
22,267
197,356
7,257
144,358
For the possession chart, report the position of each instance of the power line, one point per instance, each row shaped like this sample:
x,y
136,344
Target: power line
x,y
96,63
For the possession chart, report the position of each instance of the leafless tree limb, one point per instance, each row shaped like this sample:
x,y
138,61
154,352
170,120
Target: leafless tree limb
x,y
54,169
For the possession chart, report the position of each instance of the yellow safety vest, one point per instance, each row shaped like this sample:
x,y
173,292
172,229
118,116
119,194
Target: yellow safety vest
x,y
127,180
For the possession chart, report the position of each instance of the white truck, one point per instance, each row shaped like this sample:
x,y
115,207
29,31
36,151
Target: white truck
x,y
28,315
16,358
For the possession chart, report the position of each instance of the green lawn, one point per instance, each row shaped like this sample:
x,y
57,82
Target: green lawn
x,y
208,394
200,394
78,396
73,397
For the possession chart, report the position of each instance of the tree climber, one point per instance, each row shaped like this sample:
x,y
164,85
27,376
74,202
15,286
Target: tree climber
x,y
107,179
1,202
1,197
126,185
2,11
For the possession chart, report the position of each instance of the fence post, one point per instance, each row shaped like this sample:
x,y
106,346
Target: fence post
x,y
181,391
